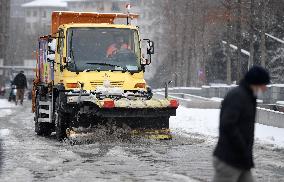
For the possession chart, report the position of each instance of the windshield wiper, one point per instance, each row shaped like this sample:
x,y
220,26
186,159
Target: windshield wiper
x,y
107,64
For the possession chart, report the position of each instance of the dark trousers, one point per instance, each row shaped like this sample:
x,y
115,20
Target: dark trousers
x,y
226,173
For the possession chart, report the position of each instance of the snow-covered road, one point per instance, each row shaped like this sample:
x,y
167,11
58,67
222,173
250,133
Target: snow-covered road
x,y
27,157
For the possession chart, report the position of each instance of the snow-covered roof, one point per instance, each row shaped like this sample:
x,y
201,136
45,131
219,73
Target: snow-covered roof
x,y
93,0
75,0
45,3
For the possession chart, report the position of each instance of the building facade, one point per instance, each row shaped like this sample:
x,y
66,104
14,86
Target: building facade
x,y
101,6
38,15
15,51
4,35
4,26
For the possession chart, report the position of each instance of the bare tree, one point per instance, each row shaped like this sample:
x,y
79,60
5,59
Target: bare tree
x,y
239,38
228,5
264,4
251,33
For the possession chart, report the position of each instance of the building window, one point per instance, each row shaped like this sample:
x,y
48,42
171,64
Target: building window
x,y
28,13
115,6
101,6
34,26
34,13
44,14
28,26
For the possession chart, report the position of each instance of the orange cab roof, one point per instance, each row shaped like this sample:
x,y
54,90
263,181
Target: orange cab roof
x,y
65,17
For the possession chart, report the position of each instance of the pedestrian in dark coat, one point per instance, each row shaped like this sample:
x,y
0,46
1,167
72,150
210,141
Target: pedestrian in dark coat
x,y
233,156
21,84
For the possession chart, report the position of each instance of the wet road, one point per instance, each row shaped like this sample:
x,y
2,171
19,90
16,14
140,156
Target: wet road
x,y
27,157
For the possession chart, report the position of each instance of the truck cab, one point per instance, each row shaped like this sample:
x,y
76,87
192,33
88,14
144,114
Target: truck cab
x,y
93,53
90,71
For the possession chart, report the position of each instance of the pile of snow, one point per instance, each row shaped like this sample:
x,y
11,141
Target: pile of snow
x,y
280,103
206,122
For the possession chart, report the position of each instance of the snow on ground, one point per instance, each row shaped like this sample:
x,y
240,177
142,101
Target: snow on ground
x,y
206,122
5,112
6,107
203,121
280,103
217,99
4,132
5,104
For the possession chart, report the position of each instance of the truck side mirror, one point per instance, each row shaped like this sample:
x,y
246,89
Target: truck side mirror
x,y
150,47
52,45
51,50
145,61
50,57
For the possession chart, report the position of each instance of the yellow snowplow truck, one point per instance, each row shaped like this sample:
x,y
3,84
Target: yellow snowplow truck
x,y
90,72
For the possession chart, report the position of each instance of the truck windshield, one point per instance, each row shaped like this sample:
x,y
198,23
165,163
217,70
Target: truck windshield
x,y
91,49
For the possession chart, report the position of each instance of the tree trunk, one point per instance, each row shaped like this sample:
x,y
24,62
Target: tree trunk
x,y
203,62
228,49
194,55
251,35
262,35
184,50
239,39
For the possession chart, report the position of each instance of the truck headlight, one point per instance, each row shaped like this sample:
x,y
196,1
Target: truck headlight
x,y
140,85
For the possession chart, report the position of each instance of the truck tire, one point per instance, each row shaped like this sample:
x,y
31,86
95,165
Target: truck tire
x,y
41,129
61,121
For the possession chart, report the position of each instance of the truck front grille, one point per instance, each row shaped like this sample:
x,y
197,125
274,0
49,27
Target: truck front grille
x,y
113,83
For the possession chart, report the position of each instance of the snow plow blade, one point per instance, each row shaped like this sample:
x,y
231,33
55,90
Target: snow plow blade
x,y
162,134
147,118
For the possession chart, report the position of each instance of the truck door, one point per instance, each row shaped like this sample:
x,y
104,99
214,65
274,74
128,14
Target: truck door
x,y
59,56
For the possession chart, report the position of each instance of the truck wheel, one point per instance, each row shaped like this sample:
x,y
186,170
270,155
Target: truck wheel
x,y
61,122
41,129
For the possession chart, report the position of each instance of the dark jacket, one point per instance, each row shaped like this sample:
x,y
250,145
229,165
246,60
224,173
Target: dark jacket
x,y
20,81
236,131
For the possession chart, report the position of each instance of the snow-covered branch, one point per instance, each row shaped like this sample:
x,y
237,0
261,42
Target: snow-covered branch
x,y
236,48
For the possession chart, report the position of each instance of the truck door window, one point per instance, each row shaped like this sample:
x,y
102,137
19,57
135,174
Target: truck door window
x,y
60,44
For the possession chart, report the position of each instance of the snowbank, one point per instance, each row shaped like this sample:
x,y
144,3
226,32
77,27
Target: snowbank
x,y
280,103
206,122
